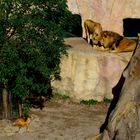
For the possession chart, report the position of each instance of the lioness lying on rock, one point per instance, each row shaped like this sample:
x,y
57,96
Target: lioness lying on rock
x,y
92,29
114,42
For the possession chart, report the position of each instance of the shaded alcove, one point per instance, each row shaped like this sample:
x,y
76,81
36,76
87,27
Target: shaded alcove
x,y
74,26
131,27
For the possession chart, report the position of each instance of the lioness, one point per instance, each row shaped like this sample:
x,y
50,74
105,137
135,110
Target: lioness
x,y
108,39
92,28
125,45
114,42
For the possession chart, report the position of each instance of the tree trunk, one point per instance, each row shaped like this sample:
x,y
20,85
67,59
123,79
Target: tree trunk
x,y
10,105
5,102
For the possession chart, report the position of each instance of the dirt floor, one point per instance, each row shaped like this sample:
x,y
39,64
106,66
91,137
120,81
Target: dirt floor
x,y
59,120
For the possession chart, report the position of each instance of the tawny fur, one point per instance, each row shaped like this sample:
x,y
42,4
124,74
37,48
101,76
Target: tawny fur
x,y
125,45
114,42
21,122
92,30
109,38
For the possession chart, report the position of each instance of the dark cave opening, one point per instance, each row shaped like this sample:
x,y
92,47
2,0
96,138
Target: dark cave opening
x,y
131,27
74,26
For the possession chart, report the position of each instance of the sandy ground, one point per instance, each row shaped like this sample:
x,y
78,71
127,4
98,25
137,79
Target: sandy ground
x,y
59,120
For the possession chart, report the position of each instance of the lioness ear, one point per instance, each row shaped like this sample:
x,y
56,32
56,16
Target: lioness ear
x,y
105,35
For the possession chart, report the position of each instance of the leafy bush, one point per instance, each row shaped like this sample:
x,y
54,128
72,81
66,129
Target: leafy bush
x,y
88,102
107,100
31,44
60,96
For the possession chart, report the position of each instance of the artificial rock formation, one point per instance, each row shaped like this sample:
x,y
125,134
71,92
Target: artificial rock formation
x,y
110,13
123,117
89,74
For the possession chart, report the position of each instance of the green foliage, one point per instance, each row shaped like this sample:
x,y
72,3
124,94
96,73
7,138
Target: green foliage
x,y
60,96
25,108
88,102
107,100
31,44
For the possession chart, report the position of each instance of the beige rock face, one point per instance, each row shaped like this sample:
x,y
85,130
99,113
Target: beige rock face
x,y
87,73
123,117
110,13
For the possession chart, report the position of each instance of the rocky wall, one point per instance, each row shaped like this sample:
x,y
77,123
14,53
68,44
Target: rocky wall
x,y
87,73
110,13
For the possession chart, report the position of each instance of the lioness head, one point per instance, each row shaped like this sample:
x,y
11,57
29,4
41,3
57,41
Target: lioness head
x,y
104,39
98,38
108,38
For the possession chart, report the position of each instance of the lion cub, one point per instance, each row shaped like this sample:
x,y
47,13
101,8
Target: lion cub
x,y
23,122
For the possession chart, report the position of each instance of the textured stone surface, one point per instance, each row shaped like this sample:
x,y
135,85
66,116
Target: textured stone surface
x,y
110,13
87,73
123,118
